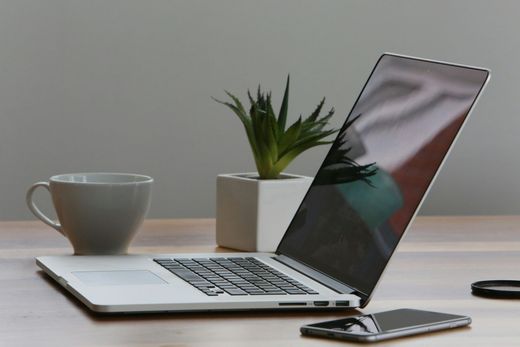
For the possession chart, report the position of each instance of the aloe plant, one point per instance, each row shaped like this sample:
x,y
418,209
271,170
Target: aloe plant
x,y
273,145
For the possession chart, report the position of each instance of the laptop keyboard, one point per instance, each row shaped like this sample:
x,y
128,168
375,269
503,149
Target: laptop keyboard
x,y
234,276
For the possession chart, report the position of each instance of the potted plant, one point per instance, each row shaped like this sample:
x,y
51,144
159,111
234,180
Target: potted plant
x,y
255,209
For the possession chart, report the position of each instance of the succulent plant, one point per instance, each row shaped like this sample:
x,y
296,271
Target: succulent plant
x,y
273,145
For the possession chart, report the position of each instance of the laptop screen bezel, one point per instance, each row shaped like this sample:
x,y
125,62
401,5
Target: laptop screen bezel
x,y
365,297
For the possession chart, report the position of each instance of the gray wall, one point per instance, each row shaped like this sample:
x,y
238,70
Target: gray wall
x,y
125,86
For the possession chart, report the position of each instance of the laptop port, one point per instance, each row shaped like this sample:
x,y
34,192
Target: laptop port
x,y
342,303
292,304
321,303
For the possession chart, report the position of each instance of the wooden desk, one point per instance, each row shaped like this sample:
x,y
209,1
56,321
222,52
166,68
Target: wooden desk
x,y
433,269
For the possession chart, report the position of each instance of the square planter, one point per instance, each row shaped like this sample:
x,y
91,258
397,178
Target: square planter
x,y
253,214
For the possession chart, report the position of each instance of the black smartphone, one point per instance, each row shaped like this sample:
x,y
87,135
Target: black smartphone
x,y
385,325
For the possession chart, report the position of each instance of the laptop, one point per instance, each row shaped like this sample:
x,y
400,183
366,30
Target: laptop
x,y
363,198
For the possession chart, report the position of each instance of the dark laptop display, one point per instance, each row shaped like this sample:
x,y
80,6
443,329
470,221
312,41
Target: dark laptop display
x,y
380,167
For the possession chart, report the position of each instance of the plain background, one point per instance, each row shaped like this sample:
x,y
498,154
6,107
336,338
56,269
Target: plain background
x,y
125,85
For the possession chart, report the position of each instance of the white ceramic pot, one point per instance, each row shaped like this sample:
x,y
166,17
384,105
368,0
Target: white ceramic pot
x,y
253,214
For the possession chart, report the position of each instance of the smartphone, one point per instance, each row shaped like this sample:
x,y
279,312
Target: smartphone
x,y
385,325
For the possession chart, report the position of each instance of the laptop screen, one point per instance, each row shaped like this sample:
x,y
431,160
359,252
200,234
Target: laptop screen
x,y
380,167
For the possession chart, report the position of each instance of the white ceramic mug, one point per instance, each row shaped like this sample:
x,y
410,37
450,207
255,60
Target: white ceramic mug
x,y
98,212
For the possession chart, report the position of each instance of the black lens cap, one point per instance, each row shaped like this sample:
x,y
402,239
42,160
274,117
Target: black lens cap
x,y
504,289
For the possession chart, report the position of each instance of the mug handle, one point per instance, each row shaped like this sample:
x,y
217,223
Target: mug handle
x,y
36,211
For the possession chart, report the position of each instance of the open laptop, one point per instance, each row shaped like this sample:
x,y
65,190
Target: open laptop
x,y
333,254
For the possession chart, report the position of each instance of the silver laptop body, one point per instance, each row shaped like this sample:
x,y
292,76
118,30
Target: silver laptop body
x,y
362,200
144,286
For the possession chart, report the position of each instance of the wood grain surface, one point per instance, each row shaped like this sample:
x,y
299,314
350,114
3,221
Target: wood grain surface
x,y
432,270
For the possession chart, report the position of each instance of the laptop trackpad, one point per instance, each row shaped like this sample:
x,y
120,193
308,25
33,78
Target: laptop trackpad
x,y
118,277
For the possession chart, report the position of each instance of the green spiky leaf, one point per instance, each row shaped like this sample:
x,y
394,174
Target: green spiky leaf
x,y
274,147
282,116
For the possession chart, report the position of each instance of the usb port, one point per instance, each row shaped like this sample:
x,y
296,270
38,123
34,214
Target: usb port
x,y
342,303
321,303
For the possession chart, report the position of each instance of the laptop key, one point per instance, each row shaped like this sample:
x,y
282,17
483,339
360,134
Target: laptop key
x,y
228,285
235,291
251,291
187,276
201,283
160,260
220,282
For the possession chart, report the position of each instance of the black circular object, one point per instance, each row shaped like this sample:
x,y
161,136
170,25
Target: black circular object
x,y
505,289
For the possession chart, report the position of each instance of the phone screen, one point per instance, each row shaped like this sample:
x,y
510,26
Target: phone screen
x,y
386,321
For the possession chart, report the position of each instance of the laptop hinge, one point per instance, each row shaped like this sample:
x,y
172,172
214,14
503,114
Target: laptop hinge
x,y
315,275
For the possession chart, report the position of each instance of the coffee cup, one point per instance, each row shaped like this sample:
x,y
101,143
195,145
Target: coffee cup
x,y
98,212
